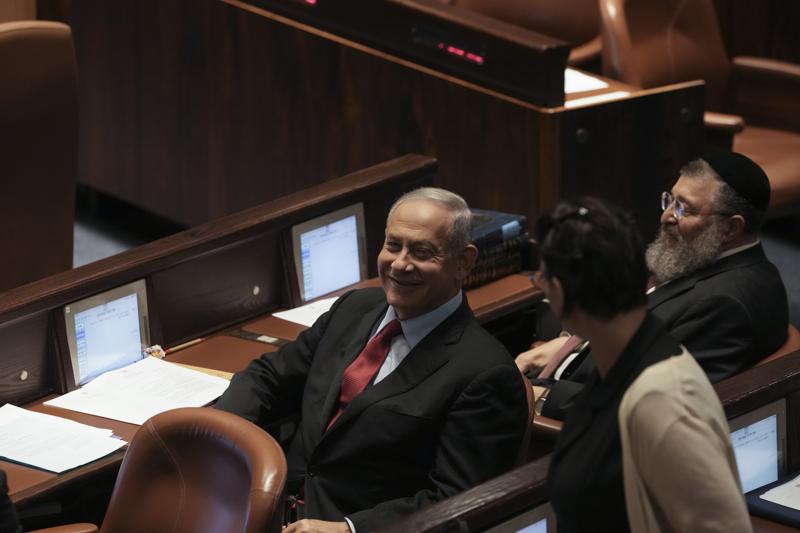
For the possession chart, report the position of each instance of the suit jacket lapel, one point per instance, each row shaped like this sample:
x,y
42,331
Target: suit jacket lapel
x,y
422,361
349,353
669,291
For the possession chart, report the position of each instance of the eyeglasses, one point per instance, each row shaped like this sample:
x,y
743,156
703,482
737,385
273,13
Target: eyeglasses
x,y
680,209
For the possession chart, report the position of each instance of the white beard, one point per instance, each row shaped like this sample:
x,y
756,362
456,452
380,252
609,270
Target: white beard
x,y
671,256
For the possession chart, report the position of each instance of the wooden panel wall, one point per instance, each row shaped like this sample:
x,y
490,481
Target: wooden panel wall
x,y
193,109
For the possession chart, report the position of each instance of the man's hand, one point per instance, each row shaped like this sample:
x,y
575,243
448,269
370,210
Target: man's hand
x,y
539,356
316,526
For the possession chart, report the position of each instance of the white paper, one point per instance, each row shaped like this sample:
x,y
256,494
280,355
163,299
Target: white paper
x,y
307,314
787,494
596,99
139,391
576,81
50,442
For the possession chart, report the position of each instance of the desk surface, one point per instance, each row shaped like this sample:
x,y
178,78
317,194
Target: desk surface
x,y
228,353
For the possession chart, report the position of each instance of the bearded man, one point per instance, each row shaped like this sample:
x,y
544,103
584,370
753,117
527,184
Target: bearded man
x,y
713,287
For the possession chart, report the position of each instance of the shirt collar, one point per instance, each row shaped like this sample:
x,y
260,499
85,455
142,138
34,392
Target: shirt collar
x,y
742,248
417,328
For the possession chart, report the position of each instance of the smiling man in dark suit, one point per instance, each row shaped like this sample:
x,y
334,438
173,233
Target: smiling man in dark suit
x,y
382,435
714,288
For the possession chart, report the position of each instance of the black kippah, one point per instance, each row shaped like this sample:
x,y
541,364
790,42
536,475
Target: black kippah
x,y
743,175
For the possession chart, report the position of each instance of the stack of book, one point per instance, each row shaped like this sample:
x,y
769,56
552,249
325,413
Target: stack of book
x,y
504,246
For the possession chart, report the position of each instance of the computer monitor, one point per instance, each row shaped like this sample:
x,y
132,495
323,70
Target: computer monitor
x,y
106,331
759,443
330,252
540,519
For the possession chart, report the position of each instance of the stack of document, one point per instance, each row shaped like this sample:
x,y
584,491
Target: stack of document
x,y
787,494
50,442
141,390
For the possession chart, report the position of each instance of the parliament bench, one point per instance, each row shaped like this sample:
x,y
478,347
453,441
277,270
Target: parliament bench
x,y
199,282
205,283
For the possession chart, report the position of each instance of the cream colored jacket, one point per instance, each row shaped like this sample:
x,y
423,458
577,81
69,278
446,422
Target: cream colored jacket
x,y
678,466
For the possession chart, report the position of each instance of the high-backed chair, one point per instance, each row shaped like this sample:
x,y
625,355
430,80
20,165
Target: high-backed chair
x,y
197,470
574,21
17,10
38,149
649,44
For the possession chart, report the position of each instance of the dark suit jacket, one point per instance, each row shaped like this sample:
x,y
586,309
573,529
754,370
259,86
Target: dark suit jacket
x,y
585,478
729,315
450,416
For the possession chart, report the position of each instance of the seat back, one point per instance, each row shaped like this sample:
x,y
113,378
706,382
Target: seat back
x,y
574,21
195,470
649,44
791,345
524,449
17,10
38,149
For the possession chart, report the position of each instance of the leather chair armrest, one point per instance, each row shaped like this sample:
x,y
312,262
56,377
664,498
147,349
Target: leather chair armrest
x,y
69,528
766,69
720,129
586,54
723,122
764,91
546,428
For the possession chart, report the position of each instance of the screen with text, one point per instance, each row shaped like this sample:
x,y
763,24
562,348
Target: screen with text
x,y
107,336
757,452
329,257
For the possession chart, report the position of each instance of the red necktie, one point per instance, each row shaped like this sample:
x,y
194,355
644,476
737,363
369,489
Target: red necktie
x,y
360,372
555,361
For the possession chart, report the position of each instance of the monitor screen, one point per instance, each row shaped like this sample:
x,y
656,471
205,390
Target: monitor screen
x,y
759,443
540,519
330,252
107,331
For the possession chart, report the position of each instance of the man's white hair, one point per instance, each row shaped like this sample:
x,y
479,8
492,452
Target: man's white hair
x,y
461,229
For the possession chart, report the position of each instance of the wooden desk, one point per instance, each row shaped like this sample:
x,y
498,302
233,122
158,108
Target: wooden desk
x,y
244,93
199,282
231,354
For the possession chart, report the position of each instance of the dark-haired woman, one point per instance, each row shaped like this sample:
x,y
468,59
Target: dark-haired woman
x,y
645,446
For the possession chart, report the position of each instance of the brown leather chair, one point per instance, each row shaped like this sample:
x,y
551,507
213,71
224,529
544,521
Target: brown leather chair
x,y
524,449
196,470
17,10
648,44
38,149
574,21
791,345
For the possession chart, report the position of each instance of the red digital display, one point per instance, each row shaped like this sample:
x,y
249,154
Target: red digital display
x,y
460,52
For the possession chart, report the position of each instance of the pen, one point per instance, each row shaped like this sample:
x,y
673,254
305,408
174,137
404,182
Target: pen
x,y
184,345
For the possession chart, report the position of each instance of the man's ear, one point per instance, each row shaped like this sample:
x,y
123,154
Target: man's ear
x,y
465,261
736,225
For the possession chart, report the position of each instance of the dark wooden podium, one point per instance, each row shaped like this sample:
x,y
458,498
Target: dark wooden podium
x,y
193,109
